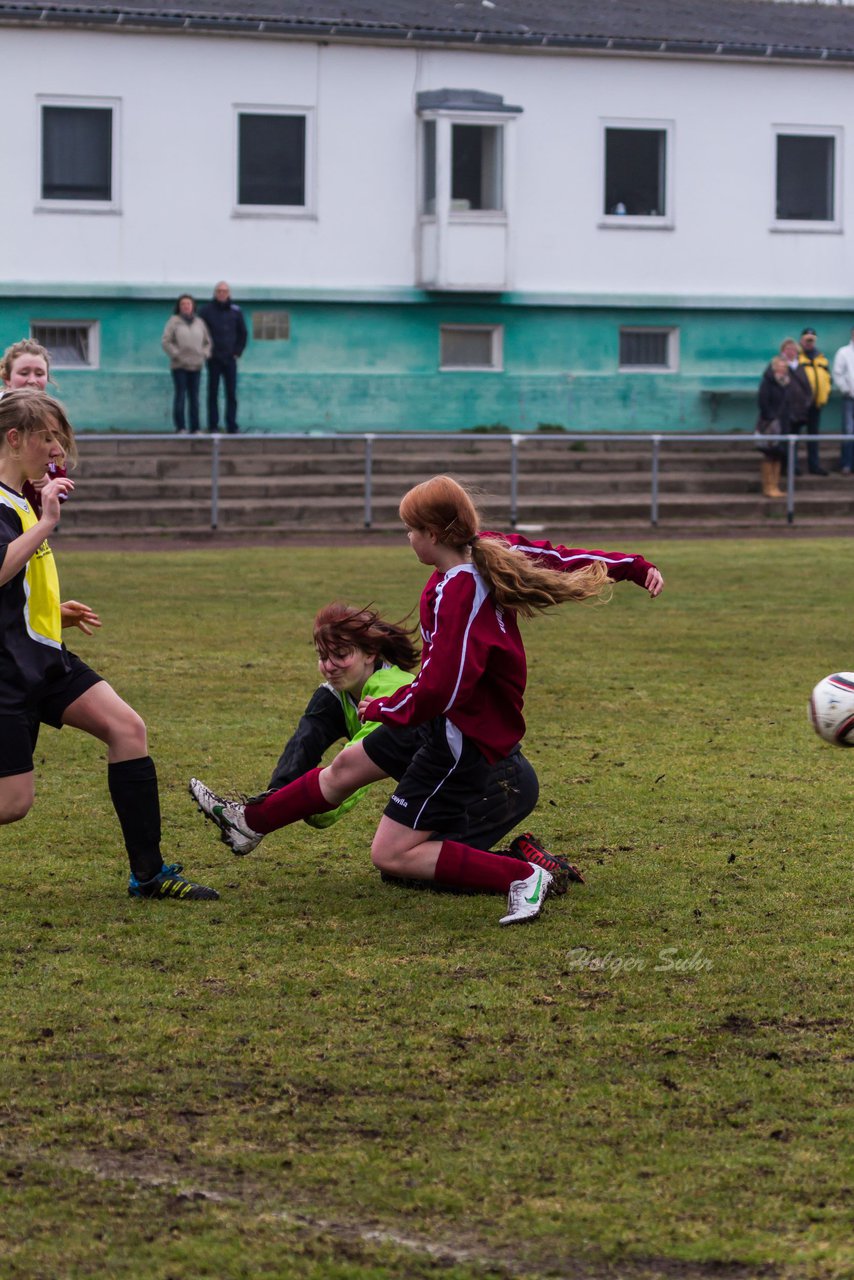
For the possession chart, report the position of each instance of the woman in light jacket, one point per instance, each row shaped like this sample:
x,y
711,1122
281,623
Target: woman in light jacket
x,y
187,343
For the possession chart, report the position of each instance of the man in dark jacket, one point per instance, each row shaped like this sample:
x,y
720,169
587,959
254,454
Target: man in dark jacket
x,y
228,333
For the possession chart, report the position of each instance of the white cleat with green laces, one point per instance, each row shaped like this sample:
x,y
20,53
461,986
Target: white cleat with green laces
x,y
228,816
526,897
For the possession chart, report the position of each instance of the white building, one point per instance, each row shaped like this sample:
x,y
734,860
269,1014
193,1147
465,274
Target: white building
x,y
435,214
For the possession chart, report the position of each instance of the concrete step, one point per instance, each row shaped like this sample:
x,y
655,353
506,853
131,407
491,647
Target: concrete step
x,y
188,458
128,487
471,442
623,534
638,465
343,451
323,513
139,489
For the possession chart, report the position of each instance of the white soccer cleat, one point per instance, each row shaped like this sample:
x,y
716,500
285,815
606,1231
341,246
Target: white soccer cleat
x,y
234,832
526,897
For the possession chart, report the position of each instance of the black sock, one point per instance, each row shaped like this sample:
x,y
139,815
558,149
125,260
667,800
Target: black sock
x,y
133,791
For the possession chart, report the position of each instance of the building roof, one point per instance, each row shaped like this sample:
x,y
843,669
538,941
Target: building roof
x,y
716,28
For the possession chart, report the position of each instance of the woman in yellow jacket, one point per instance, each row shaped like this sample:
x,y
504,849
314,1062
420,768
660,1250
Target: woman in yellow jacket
x,y
815,365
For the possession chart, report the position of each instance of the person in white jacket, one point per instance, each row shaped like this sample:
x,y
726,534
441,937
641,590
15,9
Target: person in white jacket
x,y
187,343
843,380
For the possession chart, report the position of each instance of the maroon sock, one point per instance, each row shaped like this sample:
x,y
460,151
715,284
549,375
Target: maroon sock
x,y
297,800
467,868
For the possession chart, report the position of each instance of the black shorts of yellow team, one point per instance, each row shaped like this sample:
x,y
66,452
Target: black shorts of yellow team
x,y
19,730
439,772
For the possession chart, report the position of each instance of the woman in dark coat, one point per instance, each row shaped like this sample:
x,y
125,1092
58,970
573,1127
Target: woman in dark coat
x,y
780,397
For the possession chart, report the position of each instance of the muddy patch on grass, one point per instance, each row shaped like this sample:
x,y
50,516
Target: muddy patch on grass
x,y
184,1186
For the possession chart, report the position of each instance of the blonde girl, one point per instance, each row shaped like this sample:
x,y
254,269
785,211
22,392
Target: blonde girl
x,y
27,364
42,682
467,697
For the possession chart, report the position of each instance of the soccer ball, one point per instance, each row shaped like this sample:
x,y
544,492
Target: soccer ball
x,y
831,709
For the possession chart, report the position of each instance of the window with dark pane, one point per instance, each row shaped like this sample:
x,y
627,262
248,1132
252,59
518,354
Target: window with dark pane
x,y
805,178
428,200
77,153
271,160
645,348
635,172
476,167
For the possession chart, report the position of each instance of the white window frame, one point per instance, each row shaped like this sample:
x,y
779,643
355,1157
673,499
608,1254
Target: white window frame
x,y
421,165
672,333
634,221
444,120
496,332
306,210
94,327
113,205
832,226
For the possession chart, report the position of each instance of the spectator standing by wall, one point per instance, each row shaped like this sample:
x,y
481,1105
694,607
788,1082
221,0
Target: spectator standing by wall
x,y
817,369
843,380
227,327
799,395
773,421
187,343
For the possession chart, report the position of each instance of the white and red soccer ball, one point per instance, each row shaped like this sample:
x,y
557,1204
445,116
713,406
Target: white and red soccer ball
x,y
831,709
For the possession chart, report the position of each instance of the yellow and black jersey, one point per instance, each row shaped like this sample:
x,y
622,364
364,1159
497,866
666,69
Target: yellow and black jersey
x,y
31,648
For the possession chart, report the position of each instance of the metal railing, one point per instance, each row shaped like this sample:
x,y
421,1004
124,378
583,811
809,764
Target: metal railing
x,y
657,442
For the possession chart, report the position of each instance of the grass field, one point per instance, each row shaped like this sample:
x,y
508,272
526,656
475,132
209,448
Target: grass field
x,y
322,1076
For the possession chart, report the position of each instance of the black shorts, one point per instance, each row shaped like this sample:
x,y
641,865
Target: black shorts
x,y
19,730
440,773
511,795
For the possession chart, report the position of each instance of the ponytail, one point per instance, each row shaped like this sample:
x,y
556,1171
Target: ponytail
x,y
516,583
445,508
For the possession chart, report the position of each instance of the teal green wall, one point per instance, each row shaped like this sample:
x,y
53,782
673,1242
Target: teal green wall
x,y
373,365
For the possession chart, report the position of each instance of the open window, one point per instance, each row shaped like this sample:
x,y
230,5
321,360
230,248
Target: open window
x,y
465,178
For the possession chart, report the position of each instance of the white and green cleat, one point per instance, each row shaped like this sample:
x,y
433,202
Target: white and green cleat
x,y
228,816
526,897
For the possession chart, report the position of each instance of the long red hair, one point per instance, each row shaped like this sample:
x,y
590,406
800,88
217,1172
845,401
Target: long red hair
x,y
446,509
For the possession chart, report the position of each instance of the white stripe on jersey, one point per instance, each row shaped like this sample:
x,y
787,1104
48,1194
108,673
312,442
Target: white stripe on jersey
x,y
480,595
396,706
579,555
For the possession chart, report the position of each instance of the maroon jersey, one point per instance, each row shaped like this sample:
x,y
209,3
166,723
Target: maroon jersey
x,y
473,667
621,568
